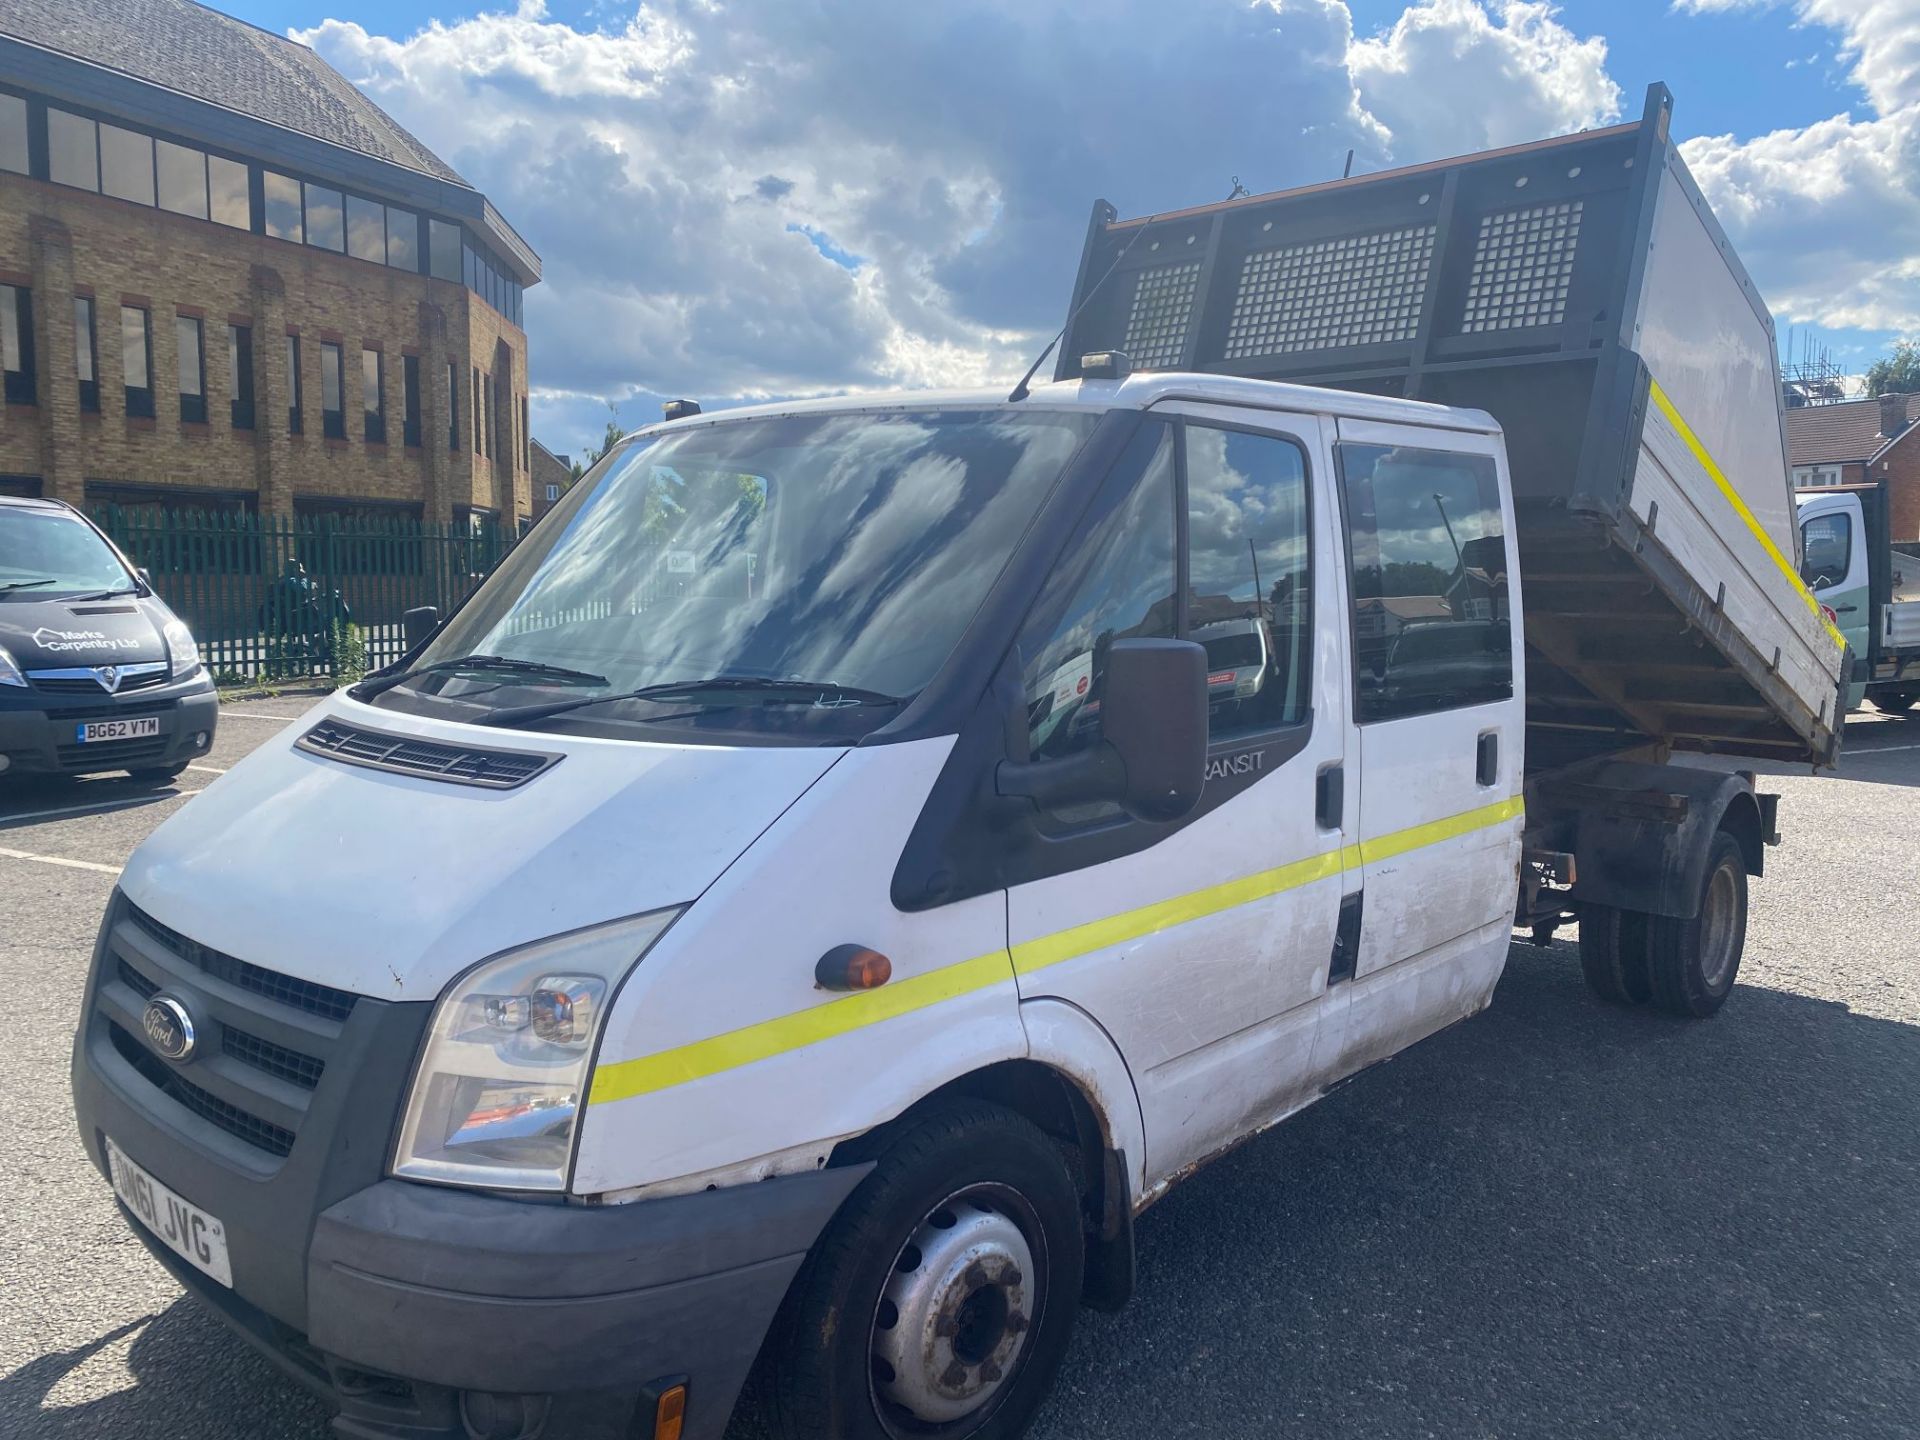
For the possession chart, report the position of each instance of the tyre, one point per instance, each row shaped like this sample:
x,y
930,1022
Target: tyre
x,y
937,1304
1894,702
1692,963
162,775
1613,954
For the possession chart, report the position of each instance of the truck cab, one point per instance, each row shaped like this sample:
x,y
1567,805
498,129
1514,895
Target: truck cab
x,y
1849,562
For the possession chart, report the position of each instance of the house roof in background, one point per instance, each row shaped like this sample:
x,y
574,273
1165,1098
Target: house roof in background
x,y
1834,434
189,49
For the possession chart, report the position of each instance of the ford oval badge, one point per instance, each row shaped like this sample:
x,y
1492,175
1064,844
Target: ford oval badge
x,y
169,1027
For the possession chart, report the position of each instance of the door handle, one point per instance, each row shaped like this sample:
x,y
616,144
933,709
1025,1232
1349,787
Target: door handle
x,y
1330,797
1845,609
1486,760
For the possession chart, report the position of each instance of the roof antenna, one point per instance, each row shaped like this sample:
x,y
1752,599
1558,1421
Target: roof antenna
x,y
1346,171
1023,389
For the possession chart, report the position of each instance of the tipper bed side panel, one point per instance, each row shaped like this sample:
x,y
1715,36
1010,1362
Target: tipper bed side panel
x,y
1524,282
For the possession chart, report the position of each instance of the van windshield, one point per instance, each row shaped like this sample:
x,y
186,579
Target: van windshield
x,y
48,554
837,557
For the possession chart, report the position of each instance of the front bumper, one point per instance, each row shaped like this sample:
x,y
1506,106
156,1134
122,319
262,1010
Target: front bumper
x,y
37,731
415,1308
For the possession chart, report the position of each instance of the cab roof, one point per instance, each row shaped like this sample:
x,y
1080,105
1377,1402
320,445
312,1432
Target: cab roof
x,y
1136,392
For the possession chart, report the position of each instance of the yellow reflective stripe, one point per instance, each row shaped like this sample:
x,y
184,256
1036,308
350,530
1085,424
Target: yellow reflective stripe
x,y
624,1079
1740,507
1151,919
627,1078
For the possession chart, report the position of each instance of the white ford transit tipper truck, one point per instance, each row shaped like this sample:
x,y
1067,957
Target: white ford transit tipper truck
x,y
810,899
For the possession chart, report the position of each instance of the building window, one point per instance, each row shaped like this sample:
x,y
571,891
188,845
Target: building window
x,y
373,374
553,493
410,400
13,134
16,343
183,179
526,437
240,374
190,336
333,415
293,385
326,221
366,228
1806,477
86,353
126,165
453,408
283,207
136,360
73,150
479,415
227,198
443,241
403,239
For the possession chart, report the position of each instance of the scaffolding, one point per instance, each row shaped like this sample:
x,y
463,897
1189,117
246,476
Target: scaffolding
x,y
1810,375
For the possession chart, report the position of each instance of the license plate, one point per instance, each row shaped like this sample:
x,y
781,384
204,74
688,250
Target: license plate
x,y
187,1230
133,729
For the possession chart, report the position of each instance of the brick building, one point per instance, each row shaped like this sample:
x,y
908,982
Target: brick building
x,y
229,281
552,474
1858,440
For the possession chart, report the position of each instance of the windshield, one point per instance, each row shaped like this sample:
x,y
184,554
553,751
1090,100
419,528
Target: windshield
x,y
845,551
49,553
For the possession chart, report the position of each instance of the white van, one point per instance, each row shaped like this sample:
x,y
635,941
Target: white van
x,y
650,970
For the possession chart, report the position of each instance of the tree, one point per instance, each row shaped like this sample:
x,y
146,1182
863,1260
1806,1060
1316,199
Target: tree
x,y
616,432
1896,374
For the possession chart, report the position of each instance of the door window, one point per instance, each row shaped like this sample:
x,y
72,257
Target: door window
x,y
1430,594
1116,582
1826,550
1249,602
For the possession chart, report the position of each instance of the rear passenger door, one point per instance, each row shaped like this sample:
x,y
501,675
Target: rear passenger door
x,y
1439,723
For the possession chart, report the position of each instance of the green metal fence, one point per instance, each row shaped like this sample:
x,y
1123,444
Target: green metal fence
x,y
270,598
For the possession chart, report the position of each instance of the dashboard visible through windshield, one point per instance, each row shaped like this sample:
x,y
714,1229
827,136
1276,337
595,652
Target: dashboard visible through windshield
x,y
806,574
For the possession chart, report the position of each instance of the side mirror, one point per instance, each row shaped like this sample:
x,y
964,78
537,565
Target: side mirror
x,y
143,577
1152,756
418,623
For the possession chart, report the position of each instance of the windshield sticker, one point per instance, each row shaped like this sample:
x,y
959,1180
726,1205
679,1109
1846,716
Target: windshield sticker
x,y
60,642
681,562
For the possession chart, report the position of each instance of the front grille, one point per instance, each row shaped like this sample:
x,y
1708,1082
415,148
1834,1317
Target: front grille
x,y
136,982
110,710
209,1107
429,759
307,995
112,754
277,1060
87,685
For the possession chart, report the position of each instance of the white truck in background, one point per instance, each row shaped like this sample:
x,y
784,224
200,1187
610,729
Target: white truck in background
x,y
824,977
1849,561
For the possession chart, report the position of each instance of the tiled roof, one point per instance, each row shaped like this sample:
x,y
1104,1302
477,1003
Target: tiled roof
x,y
1831,434
213,57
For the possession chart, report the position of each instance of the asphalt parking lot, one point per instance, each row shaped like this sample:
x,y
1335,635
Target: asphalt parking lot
x,y
1558,1219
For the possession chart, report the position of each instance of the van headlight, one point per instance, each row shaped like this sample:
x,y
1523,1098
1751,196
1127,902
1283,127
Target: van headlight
x,y
10,672
509,1056
182,653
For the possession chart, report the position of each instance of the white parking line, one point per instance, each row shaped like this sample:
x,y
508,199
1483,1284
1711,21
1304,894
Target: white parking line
x,y
120,804
250,715
58,860
1875,750
210,769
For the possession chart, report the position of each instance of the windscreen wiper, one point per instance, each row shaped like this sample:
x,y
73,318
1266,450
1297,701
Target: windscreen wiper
x,y
503,664
827,694
106,594
25,584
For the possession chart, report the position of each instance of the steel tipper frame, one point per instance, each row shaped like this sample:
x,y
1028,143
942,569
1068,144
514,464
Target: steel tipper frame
x,y
1523,281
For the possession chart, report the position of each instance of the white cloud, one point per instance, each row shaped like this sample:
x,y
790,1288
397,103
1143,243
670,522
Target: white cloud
x,y
739,198
1827,216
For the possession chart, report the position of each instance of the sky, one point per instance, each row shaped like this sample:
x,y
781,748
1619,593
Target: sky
x,y
752,199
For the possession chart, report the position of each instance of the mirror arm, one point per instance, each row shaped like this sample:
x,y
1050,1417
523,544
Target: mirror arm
x,y
1097,773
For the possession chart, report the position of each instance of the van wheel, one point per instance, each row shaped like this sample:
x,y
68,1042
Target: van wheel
x,y
1692,963
938,1303
158,776
1894,702
1613,954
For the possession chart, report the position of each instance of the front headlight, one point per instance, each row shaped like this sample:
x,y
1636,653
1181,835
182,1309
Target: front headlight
x,y
506,1065
10,672
183,654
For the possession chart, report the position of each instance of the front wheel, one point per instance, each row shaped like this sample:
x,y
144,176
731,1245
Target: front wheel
x,y
1692,963
938,1303
1894,702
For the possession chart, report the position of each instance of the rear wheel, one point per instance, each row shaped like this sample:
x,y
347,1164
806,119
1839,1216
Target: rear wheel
x,y
160,775
1692,963
938,1303
1894,702
1613,954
